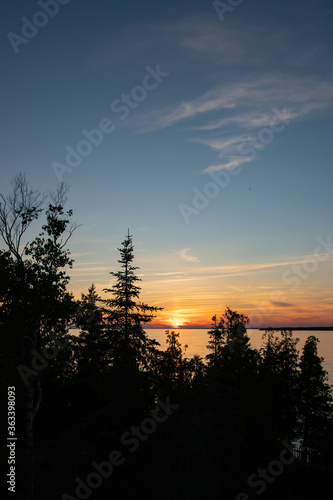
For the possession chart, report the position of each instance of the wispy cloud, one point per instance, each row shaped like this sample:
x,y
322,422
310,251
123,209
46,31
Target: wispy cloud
x,y
200,273
263,76
244,101
232,162
87,271
223,145
251,101
248,120
203,37
281,304
246,107
186,255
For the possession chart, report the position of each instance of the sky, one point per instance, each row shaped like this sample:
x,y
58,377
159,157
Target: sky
x,y
203,127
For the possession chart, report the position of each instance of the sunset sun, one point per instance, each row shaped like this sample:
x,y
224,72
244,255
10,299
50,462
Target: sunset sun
x,y
176,322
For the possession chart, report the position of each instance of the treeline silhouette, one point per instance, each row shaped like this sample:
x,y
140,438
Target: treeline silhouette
x,y
108,414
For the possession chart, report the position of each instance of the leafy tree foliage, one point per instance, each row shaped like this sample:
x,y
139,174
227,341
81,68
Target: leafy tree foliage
x,y
34,303
315,407
230,345
279,369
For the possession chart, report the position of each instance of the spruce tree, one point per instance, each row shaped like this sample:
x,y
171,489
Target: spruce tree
x,y
132,350
172,366
92,348
215,342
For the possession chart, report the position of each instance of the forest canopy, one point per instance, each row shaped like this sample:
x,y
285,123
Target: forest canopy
x,y
217,419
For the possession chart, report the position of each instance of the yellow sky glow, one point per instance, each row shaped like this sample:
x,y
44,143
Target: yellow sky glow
x,y
270,293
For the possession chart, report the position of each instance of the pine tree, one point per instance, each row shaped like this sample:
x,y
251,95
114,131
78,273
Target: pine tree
x,y
92,346
173,359
215,343
131,348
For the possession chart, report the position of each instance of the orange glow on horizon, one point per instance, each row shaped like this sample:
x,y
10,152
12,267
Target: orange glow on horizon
x,y
192,311
192,301
178,322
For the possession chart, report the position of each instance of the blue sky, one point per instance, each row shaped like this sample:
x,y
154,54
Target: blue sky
x,y
225,79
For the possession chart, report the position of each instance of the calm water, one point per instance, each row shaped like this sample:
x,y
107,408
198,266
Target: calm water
x,y
198,339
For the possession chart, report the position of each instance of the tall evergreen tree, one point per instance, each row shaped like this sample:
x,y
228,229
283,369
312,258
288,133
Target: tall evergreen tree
x,y
132,350
215,342
172,366
92,346
89,365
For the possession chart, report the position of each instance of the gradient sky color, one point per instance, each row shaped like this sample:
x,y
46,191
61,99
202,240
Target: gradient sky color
x,y
227,204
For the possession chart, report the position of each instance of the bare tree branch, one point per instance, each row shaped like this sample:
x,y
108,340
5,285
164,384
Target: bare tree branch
x,y
58,196
71,230
17,211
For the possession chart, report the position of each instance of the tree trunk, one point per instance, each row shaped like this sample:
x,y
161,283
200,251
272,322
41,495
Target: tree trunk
x,y
34,396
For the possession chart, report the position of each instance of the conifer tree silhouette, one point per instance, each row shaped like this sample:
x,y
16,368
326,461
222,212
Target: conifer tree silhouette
x,y
131,348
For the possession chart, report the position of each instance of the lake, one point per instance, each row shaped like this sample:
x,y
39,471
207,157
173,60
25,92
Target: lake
x,y
197,340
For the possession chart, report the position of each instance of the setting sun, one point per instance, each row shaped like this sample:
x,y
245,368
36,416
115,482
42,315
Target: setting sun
x,y
176,323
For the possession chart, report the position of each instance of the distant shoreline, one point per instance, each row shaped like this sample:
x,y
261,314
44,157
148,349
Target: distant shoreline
x,y
307,328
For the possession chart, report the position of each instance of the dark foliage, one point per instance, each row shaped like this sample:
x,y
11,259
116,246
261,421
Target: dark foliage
x,y
187,428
